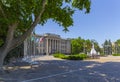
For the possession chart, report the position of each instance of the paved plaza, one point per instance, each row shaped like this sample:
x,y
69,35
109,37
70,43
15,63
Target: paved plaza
x,y
50,69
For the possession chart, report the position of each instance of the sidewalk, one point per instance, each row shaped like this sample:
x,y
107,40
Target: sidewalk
x,y
47,58
106,59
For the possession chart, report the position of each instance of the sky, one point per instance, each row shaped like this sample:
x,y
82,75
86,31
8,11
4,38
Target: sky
x,y
102,23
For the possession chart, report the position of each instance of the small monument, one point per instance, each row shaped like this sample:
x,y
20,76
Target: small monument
x,y
93,53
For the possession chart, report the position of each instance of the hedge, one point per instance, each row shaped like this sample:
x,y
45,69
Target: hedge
x,y
116,54
71,57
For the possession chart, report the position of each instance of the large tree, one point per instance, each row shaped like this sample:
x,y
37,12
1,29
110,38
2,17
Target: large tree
x,y
107,46
116,47
77,45
18,18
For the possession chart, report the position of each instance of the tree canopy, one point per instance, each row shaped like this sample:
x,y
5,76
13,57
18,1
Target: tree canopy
x,y
25,12
18,18
107,47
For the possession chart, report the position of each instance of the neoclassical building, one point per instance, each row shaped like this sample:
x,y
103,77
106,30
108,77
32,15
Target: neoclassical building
x,y
46,44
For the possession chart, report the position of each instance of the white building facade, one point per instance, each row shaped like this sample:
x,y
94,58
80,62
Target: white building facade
x,y
46,44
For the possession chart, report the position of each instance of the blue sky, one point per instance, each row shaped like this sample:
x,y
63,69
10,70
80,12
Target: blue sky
x,y
103,22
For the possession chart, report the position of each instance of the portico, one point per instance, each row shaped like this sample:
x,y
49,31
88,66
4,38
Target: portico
x,y
50,43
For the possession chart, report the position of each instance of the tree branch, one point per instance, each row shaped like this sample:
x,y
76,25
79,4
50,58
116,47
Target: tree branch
x,y
20,39
3,12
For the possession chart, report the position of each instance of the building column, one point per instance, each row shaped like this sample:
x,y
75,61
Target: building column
x,y
55,46
25,48
60,46
47,48
49,45
42,46
39,48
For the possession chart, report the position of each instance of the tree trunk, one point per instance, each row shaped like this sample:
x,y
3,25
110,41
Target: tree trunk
x,y
6,47
3,53
11,42
1,60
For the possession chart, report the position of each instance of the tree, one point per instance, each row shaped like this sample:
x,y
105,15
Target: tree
x,y
77,45
117,47
96,45
18,18
88,45
107,46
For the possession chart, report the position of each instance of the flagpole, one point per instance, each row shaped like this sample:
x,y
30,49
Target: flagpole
x,y
34,45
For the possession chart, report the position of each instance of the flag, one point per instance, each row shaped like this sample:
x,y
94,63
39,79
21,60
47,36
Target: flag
x,y
33,32
41,39
37,40
32,38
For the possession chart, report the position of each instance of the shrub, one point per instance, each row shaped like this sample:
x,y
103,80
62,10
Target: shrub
x,y
74,57
77,57
83,56
102,54
71,57
59,55
116,54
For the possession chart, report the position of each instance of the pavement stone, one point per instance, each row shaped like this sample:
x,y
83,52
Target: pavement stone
x,y
51,69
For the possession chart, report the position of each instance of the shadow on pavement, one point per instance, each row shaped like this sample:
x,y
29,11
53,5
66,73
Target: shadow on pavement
x,y
63,71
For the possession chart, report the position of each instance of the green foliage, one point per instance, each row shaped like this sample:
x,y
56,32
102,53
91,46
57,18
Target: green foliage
x,y
77,45
1,42
116,54
102,54
81,4
80,45
77,57
24,14
96,45
59,55
26,11
118,42
107,47
116,47
71,57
